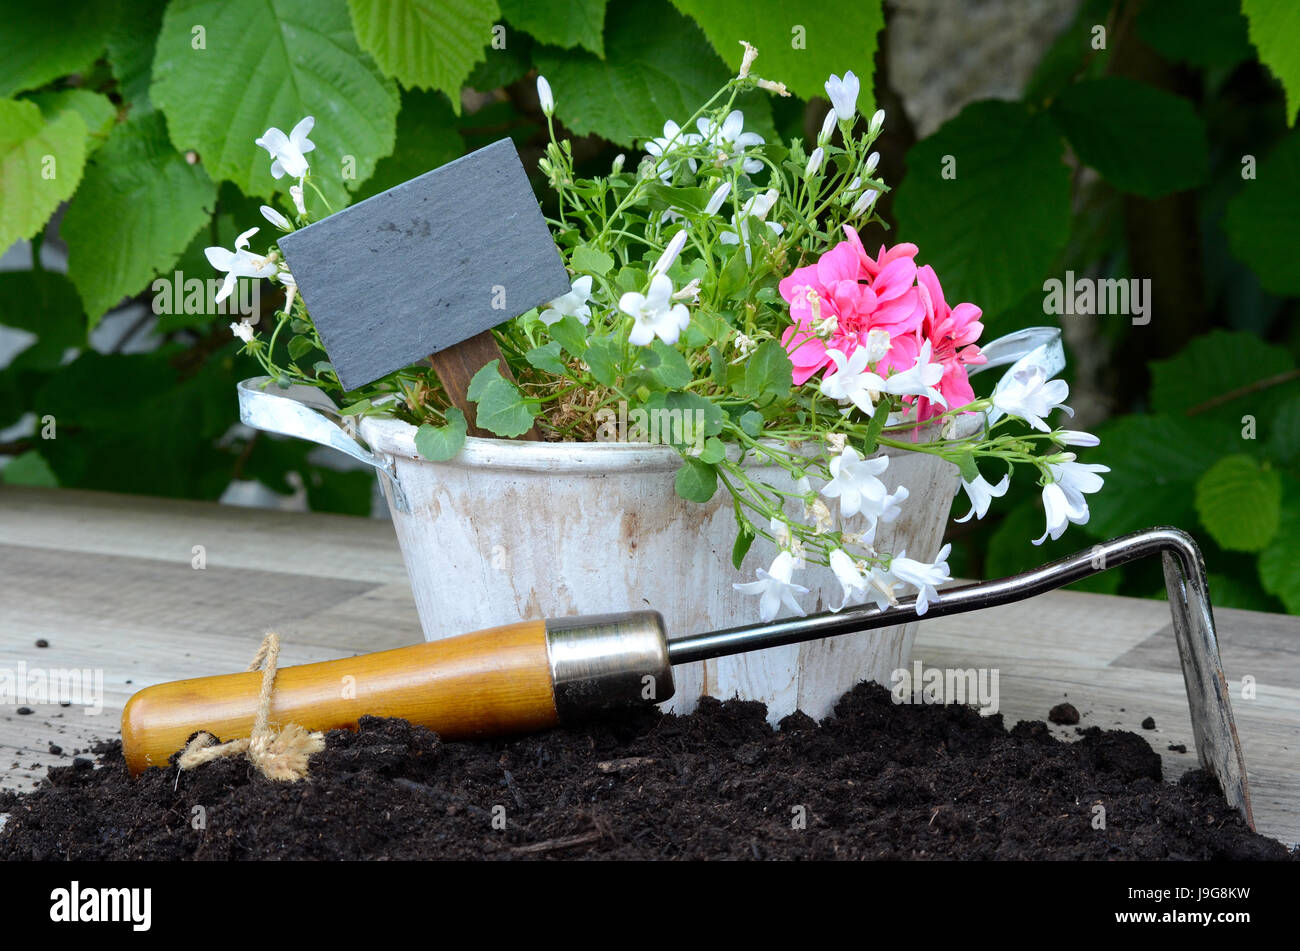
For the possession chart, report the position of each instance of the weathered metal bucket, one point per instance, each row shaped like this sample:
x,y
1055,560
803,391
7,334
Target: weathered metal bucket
x,y
511,529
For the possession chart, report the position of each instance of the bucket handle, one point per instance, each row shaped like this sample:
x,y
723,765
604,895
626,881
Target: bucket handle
x,y
306,413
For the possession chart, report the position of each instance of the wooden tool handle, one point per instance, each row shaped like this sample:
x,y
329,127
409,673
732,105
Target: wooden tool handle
x,y
489,682
457,365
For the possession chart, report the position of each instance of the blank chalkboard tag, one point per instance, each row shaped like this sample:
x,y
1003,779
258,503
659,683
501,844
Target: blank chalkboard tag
x,y
427,268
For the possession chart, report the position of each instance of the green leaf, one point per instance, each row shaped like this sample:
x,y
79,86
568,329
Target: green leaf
x,y
427,138
589,260
1263,219
1214,366
688,406
440,443
96,110
572,335
432,44
28,469
733,282
270,63
44,41
1284,440
566,23
744,538
40,165
657,66
1275,31
1240,503
799,48
715,450
752,422
299,347
502,409
1141,139
1071,55
1155,462
131,45
1277,563
769,374
547,358
672,370
503,66
696,481
1010,181
134,214
603,357
43,303
1200,32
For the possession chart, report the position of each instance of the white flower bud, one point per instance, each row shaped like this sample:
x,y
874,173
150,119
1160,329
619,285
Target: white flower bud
x,y
877,122
863,204
814,162
872,161
544,96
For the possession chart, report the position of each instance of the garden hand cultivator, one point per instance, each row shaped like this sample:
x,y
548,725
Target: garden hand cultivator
x,y
536,674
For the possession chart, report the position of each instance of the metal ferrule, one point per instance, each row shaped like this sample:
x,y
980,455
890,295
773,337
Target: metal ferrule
x,y
608,662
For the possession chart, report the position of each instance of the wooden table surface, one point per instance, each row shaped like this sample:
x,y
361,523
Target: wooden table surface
x,y
110,582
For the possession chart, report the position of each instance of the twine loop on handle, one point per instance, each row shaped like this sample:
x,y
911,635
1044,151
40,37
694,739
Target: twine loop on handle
x,y
279,755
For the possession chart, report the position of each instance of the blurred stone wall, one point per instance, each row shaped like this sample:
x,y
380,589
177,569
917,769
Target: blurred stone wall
x,y
946,53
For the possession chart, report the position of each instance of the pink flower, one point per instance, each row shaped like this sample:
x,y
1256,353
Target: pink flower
x,y
836,302
952,333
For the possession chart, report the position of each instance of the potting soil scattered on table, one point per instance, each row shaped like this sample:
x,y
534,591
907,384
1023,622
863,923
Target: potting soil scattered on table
x,y
877,780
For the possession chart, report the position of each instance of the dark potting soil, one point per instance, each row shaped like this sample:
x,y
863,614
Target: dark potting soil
x,y
876,781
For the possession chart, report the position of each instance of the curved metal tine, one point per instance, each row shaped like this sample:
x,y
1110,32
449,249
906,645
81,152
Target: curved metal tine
x,y
1213,727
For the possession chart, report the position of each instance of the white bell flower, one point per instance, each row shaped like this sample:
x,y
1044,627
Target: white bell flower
x,y
924,577
1030,396
573,304
843,94
775,588
239,263
288,152
854,483
981,495
656,314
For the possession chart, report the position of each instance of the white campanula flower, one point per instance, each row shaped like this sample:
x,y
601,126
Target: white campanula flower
x,y
1073,437
288,152
295,192
814,162
922,576
864,202
854,483
828,128
243,330
573,304
670,254
717,198
239,263
920,380
982,494
872,161
544,96
775,587
672,140
656,314
275,218
843,94
1063,499
730,138
852,582
877,123
1030,396
757,206
852,381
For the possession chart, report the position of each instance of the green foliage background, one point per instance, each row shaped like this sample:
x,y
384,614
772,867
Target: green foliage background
x,y
1168,154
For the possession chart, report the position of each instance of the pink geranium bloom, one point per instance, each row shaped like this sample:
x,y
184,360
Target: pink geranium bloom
x,y
952,333
862,295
